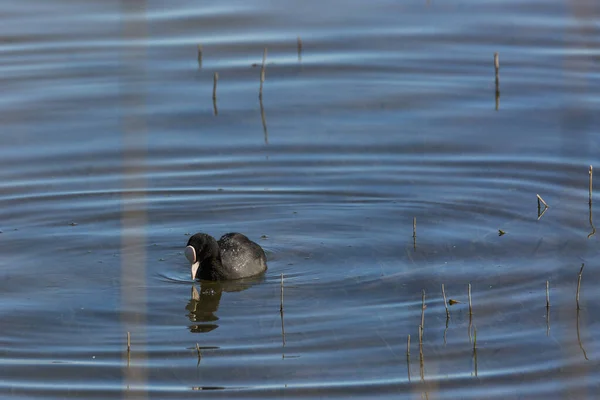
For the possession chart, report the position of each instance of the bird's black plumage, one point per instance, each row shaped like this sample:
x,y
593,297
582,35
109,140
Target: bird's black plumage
x,y
234,256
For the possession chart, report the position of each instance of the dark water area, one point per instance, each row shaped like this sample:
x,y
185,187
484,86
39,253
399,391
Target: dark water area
x,y
113,152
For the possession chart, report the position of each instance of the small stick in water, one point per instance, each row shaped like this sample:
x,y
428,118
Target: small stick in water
x,y
262,73
128,342
264,121
547,321
299,49
497,69
414,227
591,173
547,294
475,348
445,302
281,304
579,338
422,308
590,204
281,314
579,284
199,56
542,200
408,347
215,80
470,305
199,353
414,233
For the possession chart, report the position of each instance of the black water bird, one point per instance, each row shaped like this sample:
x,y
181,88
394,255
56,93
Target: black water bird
x,y
234,256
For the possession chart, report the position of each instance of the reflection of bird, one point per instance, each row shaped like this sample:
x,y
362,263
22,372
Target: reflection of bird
x,y
234,256
204,303
202,307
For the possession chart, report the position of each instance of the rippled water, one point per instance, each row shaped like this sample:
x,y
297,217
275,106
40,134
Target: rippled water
x,y
113,151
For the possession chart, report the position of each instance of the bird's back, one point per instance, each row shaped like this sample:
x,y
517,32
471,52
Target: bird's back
x,y
241,257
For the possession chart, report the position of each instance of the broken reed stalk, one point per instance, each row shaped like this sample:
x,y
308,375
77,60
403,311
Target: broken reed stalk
x,y
215,80
414,227
579,284
591,173
199,56
547,294
542,200
445,302
420,336
299,49
470,305
128,342
408,347
262,73
474,338
422,308
281,304
198,350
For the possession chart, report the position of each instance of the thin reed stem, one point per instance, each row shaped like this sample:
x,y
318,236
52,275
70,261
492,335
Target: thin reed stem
x,y
579,285
470,304
445,302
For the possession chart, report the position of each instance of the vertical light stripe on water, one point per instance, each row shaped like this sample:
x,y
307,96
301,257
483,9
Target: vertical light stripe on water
x,y
133,204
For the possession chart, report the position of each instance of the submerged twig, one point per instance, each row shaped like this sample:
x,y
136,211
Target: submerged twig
x,y
446,328
414,233
593,232
199,353
199,56
497,70
590,204
281,302
299,49
470,304
542,200
445,302
281,314
214,96
591,171
579,338
579,284
547,321
215,80
421,360
541,214
422,308
262,73
264,121
475,349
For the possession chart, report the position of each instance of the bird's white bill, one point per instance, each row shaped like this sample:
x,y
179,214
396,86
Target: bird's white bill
x,y
190,254
195,267
195,293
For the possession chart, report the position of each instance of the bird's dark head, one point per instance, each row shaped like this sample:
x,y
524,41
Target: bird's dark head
x,y
202,251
